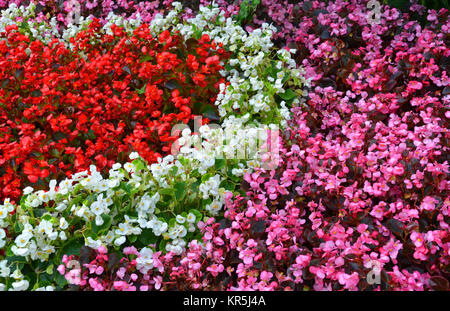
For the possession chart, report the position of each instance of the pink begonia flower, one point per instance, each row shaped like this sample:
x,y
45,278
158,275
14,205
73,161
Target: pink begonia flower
x,y
130,250
417,238
73,276
350,282
61,269
252,243
416,85
247,256
392,248
123,286
102,249
215,269
428,203
99,270
121,272
339,261
399,170
377,212
317,271
96,285
266,276
158,282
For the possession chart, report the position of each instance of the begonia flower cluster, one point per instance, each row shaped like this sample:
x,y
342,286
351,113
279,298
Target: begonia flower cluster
x,y
227,145
64,109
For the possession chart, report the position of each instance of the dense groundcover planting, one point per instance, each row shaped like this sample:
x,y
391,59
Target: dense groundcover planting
x,y
239,145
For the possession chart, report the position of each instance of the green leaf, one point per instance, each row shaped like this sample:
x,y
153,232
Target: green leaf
x,y
126,187
18,227
132,238
287,95
206,177
210,112
72,247
167,191
247,8
162,245
146,58
142,89
162,204
174,170
147,237
47,279
60,280
49,269
220,163
172,222
206,202
139,164
227,185
180,190
47,216
16,259
9,251
107,220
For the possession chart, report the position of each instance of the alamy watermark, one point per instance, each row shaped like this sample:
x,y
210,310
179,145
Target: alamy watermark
x,y
253,143
73,8
374,15
374,275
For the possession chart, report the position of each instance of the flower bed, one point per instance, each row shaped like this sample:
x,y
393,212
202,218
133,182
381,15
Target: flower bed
x,y
349,190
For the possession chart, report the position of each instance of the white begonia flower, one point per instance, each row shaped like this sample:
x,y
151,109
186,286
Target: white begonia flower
x,y
172,233
62,235
28,190
190,218
21,285
159,227
17,274
99,220
63,224
186,132
53,235
116,166
61,206
129,167
90,242
4,269
48,288
109,237
134,155
98,207
214,207
22,240
191,228
3,212
181,231
112,183
120,240
45,226
43,196
144,262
